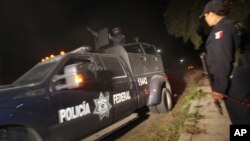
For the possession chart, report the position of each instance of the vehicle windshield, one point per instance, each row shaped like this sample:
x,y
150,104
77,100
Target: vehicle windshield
x,y
36,74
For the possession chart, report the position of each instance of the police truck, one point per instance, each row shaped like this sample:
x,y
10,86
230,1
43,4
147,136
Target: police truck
x,y
84,94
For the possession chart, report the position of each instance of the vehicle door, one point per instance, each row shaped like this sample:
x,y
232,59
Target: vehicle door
x,y
79,111
122,90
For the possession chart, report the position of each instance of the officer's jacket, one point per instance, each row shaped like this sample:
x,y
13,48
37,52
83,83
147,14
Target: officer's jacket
x,y
221,45
118,39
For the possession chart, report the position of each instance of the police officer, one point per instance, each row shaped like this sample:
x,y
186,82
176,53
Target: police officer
x,y
223,41
117,37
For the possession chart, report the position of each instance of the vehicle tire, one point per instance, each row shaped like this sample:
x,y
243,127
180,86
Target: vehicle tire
x,y
15,134
165,105
166,101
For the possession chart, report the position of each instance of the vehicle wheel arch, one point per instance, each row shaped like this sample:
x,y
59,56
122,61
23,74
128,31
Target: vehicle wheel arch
x,y
156,84
160,102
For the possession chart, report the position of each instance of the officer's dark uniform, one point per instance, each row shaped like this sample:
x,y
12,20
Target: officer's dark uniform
x,y
118,38
221,45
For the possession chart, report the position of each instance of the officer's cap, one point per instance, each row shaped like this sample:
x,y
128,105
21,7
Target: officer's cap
x,y
214,6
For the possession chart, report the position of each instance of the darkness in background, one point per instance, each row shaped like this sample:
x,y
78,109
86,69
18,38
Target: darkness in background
x,y
31,30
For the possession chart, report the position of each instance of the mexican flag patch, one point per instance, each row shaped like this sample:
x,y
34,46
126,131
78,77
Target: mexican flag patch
x,y
218,35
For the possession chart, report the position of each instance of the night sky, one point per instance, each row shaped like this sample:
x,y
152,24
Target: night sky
x,y
31,30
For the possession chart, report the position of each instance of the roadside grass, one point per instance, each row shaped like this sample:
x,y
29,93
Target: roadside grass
x,y
181,115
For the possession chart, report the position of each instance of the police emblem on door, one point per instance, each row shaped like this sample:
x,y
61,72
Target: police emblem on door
x,y
102,106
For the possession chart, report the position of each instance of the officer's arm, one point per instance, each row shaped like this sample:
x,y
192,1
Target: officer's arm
x,y
224,58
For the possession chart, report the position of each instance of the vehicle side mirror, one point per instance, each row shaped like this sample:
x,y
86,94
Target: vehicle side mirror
x,y
73,77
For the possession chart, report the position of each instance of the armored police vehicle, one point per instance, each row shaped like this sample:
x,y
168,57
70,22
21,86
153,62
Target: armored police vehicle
x,y
81,95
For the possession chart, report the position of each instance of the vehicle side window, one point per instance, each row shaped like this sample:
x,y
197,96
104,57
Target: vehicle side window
x,y
89,67
136,48
113,65
149,49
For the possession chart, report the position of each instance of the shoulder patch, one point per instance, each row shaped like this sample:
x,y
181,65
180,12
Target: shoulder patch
x,y
218,35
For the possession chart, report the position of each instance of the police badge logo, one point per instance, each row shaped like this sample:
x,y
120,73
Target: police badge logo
x,y
102,106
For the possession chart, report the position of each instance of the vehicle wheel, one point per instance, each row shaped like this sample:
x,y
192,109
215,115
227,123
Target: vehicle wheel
x,y
15,134
166,101
165,105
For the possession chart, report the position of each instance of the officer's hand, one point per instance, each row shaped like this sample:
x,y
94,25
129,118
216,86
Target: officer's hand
x,y
217,96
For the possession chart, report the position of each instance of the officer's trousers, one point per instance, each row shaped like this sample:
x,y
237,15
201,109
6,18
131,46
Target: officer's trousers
x,y
239,93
